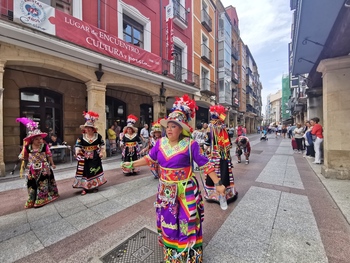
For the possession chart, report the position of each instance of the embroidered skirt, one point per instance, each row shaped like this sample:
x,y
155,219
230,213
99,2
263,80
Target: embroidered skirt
x,y
180,212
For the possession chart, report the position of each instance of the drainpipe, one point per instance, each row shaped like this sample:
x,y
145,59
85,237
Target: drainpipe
x,y
99,13
160,29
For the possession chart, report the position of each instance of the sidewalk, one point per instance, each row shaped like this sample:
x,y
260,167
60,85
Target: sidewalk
x,y
282,215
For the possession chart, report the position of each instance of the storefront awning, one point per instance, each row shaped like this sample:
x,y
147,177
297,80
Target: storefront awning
x,y
313,24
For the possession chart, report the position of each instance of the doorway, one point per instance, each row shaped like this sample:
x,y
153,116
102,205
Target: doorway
x,y
44,107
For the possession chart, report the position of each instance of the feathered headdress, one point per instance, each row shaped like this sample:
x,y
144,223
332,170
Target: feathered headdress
x,y
30,124
131,119
130,122
32,127
217,112
90,118
183,111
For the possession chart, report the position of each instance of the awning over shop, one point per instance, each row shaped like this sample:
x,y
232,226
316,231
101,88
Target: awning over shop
x,y
313,23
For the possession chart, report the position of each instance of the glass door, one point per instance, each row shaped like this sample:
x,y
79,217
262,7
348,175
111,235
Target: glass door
x,y
42,106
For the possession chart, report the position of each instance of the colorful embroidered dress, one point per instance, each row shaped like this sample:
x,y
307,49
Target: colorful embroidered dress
x,y
179,204
89,174
131,151
41,183
219,155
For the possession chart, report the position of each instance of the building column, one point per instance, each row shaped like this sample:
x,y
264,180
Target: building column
x,y
247,124
96,101
159,109
2,164
315,107
336,111
234,120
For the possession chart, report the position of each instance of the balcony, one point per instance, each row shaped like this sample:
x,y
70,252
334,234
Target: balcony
x,y
206,21
235,77
249,70
206,54
208,87
178,73
234,53
248,90
180,14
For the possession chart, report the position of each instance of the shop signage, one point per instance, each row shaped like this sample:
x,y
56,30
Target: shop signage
x,y
170,30
35,14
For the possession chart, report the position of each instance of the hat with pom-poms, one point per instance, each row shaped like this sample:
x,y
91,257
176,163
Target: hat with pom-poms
x,y
90,118
130,122
156,126
183,111
217,112
32,127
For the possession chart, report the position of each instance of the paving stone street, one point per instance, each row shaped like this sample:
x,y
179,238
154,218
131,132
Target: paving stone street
x,y
286,211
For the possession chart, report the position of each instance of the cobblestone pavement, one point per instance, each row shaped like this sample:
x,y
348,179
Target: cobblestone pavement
x,y
286,211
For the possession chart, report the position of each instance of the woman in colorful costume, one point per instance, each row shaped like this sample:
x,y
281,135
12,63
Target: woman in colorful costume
x,y
130,143
179,204
89,149
218,147
41,183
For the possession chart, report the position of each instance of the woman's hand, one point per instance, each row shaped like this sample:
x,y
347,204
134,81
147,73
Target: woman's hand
x,y
100,154
53,166
220,189
126,165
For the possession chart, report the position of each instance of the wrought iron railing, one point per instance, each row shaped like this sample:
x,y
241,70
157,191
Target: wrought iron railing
x,y
178,73
234,53
208,86
180,12
206,53
206,20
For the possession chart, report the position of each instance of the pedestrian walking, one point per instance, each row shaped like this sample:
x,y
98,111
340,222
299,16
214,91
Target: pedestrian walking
x,y
144,134
298,135
309,144
239,130
112,138
218,147
89,149
40,180
179,205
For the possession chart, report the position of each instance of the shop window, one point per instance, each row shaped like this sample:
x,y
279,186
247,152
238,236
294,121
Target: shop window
x,y
43,106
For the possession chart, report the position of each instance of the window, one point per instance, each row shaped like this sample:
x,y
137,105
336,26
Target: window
x,y
132,31
62,5
125,10
178,63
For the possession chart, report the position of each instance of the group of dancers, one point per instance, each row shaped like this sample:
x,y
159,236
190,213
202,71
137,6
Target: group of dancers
x,y
170,154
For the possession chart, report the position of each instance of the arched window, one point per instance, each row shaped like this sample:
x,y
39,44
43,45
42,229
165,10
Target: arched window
x,y
43,106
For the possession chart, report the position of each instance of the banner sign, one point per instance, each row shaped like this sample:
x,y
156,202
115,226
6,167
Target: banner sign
x,y
170,30
47,19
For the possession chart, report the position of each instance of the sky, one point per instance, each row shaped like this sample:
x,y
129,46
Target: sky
x,y
265,26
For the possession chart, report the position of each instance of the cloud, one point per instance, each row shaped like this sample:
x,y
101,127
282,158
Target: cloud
x,y
262,22
265,26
